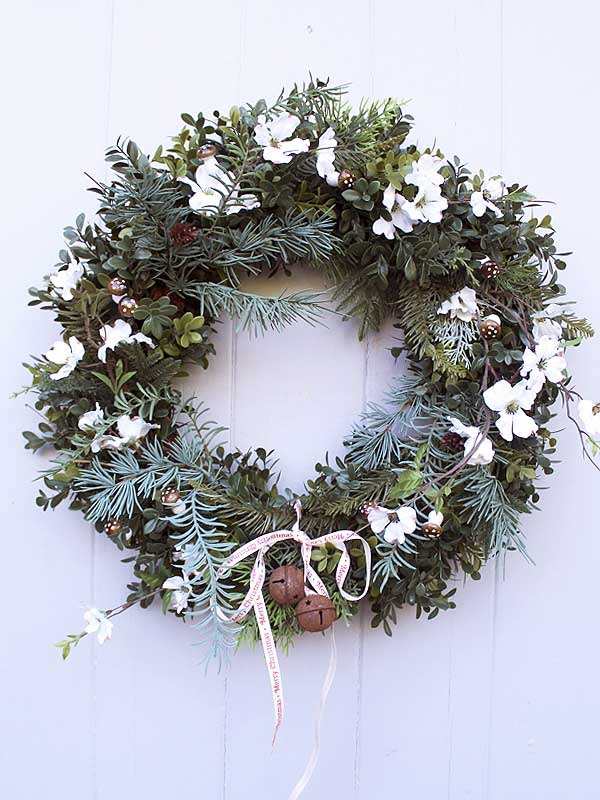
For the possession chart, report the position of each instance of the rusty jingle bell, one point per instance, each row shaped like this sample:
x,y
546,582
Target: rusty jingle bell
x,y
315,613
286,585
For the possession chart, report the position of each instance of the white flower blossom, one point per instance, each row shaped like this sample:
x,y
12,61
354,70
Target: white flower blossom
x,y
98,623
491,189
106,441
273,137
425,172
181,589
589,413
91,419
435,518
130,430
427,205
511,402
326,157
546,363
66,280
484,454
461,305
397,205
546,324
66,355
120,332
394,524
212,184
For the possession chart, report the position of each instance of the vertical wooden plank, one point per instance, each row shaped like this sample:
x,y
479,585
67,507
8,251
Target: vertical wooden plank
x,y
443,663
297,391
478,132
405,681
48,140
546,698
150,682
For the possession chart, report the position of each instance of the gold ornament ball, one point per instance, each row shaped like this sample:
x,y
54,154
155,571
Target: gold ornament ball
x,y
113,527
117,286
431,530
491,327
490,269
286,585
127,306
207,150
315,613
170,496
346,180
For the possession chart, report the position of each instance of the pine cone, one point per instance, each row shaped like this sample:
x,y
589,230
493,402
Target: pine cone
x,y
183,233
452,442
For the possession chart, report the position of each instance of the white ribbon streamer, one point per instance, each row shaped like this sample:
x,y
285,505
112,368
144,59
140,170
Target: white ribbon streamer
x,y
314,755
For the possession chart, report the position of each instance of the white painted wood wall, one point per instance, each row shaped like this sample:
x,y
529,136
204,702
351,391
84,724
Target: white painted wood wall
x,y
498,700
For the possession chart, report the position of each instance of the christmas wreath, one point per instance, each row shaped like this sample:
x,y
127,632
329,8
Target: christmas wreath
x,y
434,480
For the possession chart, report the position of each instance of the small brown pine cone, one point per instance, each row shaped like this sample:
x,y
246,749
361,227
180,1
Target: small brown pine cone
x,y
183,233
452,442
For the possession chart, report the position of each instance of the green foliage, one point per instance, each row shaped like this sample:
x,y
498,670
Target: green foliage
x,y
187,329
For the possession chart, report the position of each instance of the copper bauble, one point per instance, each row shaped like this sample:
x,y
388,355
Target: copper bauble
x,y
207,150
117,286
346,180
315,613
491,327
286,585
431,530
490,269
113,527
127,306
170,496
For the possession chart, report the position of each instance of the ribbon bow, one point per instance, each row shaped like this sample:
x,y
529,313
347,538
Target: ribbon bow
x,y
314,585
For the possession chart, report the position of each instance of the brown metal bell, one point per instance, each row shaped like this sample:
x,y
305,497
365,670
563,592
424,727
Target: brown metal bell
x,y
286,585
315,613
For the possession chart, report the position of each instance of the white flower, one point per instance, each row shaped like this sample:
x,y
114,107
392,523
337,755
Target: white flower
x,y
425,173
401,219
66,280
511,402
119,333
484,454
462,305
211,185
106,442
428,204
67,355
589,413
394,523
181,589
131,430
99,623
91,419
491,189
546,363
326,157
435,518
545,322
273,137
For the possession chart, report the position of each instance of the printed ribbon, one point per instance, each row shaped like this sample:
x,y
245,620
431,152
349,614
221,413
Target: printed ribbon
x,y
314,585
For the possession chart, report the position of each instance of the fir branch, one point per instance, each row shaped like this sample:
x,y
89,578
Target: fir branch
x,y
256,313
